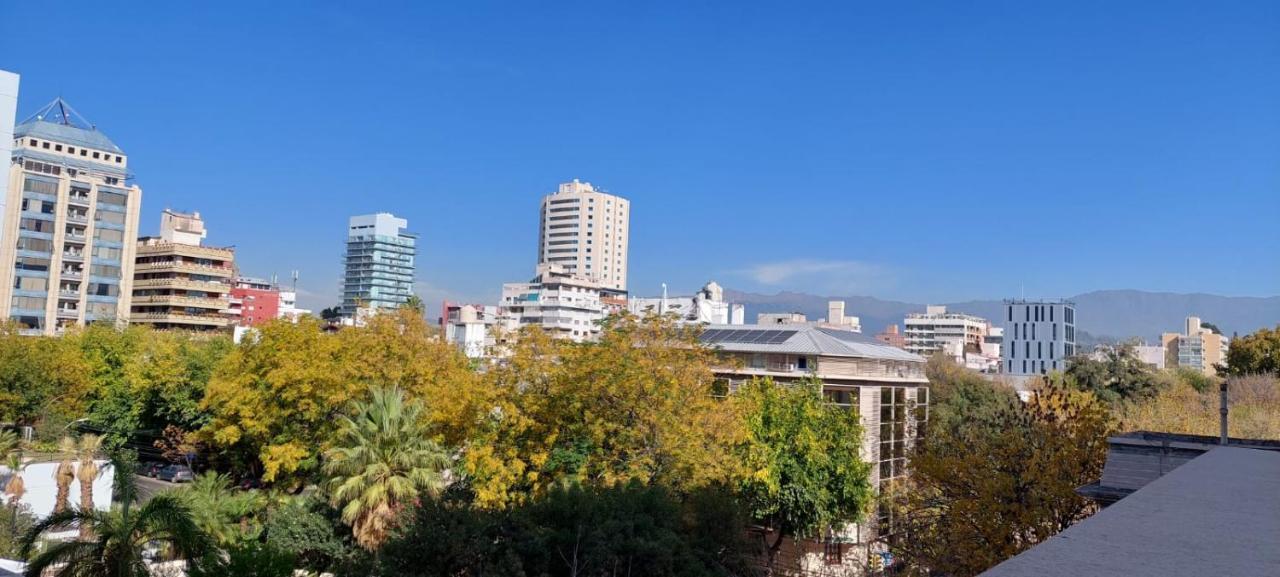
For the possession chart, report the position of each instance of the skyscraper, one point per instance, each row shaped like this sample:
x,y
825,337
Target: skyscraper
x,y
585,231
70,224
379,263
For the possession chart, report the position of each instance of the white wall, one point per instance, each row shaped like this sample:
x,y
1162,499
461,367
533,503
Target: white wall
x,y
8,110
42,489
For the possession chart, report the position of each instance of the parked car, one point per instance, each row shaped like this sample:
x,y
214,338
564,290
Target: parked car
x,y
176,474
150,469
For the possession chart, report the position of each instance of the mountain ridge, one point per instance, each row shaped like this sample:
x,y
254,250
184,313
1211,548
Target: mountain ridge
x,y
1109,314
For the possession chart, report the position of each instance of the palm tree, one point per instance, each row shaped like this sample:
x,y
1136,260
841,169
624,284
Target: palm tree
x,y
121,536
382,460
15,488
225,514
9,443
88,473
65,474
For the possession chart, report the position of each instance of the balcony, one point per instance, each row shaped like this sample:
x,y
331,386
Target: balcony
x,y
78,218
175,318
73,256
78,200
185,267
182,284
68,313
69,294
160,248
72,274
181,301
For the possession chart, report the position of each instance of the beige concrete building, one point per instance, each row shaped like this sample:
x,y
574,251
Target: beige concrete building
x,y
884,384
178,282
70,220
586,231
1196,347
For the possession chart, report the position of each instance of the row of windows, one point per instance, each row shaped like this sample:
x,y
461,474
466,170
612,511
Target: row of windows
x,y
72,150
1044,366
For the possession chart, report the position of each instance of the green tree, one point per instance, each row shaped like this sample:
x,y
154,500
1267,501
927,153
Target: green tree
x,y
1119,376
979,494
804,473
415,304
381,461
1256,353
40,377
228,516
119,538
310,531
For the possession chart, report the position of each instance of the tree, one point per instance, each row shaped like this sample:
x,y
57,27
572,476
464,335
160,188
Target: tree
x,y
1256,353
1190,408
40,377
120,537
228,516
309,530
977,495
415,304
380,462
1118,377
804,473
65,474
15,487
330,313
87,451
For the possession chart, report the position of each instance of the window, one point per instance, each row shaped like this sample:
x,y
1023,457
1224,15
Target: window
x,y
30,283
104,289
119,159
84,152
57,147
109,216
35,244
31,263
28,303
40,186
35,225
44,145
71,150
108,235
33,142
95,154
106,253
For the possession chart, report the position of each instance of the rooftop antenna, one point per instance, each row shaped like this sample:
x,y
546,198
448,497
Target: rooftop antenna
x,y
295,280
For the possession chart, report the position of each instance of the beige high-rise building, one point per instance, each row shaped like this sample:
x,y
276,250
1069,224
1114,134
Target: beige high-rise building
x,y
69,226
179,283
585,231
1196,347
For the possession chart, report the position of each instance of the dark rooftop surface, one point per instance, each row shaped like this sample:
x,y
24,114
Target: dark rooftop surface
x,y
1218,514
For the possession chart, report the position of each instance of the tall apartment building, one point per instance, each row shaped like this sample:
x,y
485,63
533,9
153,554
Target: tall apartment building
x,y
1197,347
563,304
962,337
585,231
178,282
379,263
70,223
1039,336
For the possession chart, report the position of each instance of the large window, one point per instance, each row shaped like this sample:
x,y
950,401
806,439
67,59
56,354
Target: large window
x,y
893,432
108,235
108,197
31,263
107,252
36,225
109,216
40,186
104,270
103,289
28,303
35,244
30,283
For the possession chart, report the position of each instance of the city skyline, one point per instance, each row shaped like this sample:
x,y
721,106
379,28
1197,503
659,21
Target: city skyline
x,y
847,152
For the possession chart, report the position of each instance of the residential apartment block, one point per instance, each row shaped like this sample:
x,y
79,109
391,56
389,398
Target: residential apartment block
x,y
964,338
707,306
1197,347
562,303
884,384
585,231
70,221
178,282
254,301
1039,337
379,263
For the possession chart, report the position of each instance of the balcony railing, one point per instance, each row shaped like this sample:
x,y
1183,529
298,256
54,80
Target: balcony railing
x,y
78,218
179,318
182,301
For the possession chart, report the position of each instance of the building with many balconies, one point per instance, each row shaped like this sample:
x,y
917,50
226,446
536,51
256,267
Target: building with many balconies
x,y
964,338
70,222
1198,347
563,304
179,283
379,264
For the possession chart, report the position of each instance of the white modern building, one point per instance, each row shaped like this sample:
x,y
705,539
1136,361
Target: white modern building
x,y
586,231
289,306
707,306
1040,335
471,328
559,302
379,263
962,337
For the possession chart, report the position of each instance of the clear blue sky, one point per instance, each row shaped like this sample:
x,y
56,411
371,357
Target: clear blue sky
x,y
924,151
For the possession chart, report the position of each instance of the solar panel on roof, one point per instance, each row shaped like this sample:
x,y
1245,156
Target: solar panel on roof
x,y
751,336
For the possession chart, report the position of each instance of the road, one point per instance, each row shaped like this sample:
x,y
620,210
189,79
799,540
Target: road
x,y
148,487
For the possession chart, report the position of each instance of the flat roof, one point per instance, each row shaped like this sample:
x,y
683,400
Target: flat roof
x,y
1219,514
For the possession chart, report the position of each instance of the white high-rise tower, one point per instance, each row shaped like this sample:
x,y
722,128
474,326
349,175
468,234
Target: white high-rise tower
x,y
585,231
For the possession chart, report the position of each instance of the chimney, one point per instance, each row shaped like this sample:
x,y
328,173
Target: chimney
x,y
835,312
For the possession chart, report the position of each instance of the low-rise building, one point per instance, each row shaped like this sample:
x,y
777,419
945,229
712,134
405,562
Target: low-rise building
x,y
836,319
892,336
253,301
707,306
471,328
565,305
884,384
962,337
178,283
1197,347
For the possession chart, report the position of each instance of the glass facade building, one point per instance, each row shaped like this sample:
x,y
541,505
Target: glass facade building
x,y
379,263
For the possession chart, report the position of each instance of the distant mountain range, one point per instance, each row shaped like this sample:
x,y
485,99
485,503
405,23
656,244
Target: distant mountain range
x,y
1107,315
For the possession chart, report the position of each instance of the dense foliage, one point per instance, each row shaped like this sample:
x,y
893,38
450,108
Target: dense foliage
x,y
1118,376
1256,353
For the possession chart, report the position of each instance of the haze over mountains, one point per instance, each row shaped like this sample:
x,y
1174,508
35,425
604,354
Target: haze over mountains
x,y
1105,315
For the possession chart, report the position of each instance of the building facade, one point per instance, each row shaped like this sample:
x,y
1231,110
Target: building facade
x,y
561,303
707,306
586,232
960,336
1197,347
379,263
1039,337
8,113
471,328
892,336
69,226
254,301
884,384
835,319
178,282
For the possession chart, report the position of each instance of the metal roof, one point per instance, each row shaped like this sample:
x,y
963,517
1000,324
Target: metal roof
x,y
802,340
1218,514
58,122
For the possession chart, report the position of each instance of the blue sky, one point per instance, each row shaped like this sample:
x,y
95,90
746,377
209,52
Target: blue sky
x,y
923,151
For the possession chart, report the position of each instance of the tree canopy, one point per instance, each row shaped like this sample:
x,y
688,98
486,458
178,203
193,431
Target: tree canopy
x,y
1256,353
